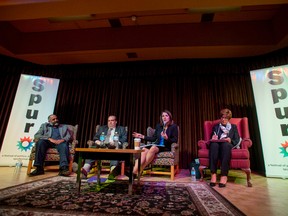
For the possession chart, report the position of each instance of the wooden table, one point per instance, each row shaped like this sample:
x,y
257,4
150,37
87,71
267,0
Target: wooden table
x,y
128,155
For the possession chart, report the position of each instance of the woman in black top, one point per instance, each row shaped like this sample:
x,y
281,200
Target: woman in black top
x,y
166,133
224,136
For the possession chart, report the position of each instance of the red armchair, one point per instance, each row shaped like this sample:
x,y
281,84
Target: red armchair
x,y
240,158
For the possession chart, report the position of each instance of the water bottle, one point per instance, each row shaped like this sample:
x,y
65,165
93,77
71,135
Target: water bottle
x,y
18,166
116,139
102,139
193,174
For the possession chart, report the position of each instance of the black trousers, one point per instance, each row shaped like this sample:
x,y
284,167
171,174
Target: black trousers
x,y
42,147
220,151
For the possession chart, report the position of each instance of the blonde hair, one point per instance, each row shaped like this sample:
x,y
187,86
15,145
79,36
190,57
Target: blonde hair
x,y
226,113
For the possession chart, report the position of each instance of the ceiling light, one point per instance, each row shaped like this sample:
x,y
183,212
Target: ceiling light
x,y
133,18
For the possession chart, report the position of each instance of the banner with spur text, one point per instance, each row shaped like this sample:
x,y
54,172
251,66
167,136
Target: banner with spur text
x,y
270,87
34,102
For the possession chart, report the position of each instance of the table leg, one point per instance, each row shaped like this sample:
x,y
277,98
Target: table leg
x,y
78,181
139,168
98,172
130,186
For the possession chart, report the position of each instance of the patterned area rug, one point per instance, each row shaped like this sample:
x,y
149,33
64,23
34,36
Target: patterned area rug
x,y
58,196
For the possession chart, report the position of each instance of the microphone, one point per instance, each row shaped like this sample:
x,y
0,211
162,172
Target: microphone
x,y
164,127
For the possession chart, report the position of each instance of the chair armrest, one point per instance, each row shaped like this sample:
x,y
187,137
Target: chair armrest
x,y
246,143
203,144
175,151
174,147
74,143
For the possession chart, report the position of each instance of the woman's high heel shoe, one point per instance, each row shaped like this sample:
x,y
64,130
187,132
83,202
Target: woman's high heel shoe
x,y
221,185
223,181
212,184
213,180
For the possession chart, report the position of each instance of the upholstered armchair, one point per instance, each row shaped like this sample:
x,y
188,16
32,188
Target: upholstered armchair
x,y
52,153
240,158
168,160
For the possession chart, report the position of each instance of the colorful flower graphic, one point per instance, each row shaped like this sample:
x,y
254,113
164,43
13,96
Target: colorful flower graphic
x,y
284,149
25,144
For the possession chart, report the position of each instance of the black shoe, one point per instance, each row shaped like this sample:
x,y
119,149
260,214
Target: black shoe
x,y
221,185
111,176
64,171
134,176
84,173
127,173
36,172
213,184
117,170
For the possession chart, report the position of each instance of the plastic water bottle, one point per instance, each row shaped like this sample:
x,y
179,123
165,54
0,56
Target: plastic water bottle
x,y
102,138
193,174
18,166
116,139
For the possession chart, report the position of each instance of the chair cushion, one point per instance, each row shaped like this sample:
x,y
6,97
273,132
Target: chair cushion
x,y
240,154
165,155
164,161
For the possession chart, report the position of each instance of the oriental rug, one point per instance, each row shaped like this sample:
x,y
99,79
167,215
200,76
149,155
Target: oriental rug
x,y
58,196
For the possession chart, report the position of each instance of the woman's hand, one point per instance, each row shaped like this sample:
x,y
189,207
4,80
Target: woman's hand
x,y
138,135
164,135
215,136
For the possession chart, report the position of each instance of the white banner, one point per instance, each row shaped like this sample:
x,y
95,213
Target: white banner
x,y
34,102
270,86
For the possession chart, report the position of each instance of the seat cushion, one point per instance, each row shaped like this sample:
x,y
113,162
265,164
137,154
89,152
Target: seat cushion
x,y
165,155
240,154
164,161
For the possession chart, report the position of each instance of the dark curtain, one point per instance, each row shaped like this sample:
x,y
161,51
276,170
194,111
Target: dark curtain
x,y
137,92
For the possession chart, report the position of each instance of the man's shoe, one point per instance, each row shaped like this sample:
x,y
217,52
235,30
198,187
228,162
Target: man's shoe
x,y
74,167
111,176
64,171
84,173
134,176
127,173
36,172
115,172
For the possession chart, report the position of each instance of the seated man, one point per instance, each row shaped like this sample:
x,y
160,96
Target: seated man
x,y
52,135
109,131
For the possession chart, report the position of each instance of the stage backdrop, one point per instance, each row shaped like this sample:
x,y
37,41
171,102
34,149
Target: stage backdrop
x,y
270,87
34,102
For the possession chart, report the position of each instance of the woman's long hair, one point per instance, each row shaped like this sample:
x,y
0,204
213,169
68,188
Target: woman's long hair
x,y
170,118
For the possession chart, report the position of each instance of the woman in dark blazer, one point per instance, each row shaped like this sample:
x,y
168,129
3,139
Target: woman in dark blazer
x,y
224,136
166,133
